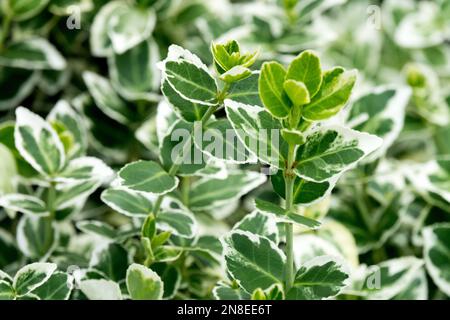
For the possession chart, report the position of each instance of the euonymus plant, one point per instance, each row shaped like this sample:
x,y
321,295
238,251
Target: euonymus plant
x,y
163,149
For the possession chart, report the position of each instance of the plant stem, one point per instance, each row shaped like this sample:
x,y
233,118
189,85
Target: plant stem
x,y
6,25
51,197
289,228
176,164
185,190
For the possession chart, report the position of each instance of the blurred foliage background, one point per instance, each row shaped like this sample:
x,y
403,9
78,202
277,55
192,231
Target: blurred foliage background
x,y
101,56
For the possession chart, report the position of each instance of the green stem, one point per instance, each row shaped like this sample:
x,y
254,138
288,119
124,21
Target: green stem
x,y
51,197
6,25
176,164
289,190
185,185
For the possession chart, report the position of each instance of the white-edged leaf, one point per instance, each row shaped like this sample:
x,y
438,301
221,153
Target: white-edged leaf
x,y
99,39
330,151
134,74
380,112
85,169
129,26
32,276
259,223
24,203
188,76
208,193
143,283
146,176
36,236
127,202
259,131
97,228
255,261
437,254
111,260
385,280
38,143
33,54
107,99
178,222
57,287
100,289
73,193
281,215
20,82
319,278
63,114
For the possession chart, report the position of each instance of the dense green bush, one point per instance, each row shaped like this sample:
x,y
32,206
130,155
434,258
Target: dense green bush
x,y
335,182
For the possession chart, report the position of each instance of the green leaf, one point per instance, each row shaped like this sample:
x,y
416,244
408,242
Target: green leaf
x,y
259,223
329,151
23,9
32,276
437,254
57,287
127,202
171,278
293,137
111,260
297,92
306,69
65,116
108,100
85,169
167,253
133,73
334,93
188,110
235,74
417,289
97,228
177,222
100,41
271,89
36,236
210,192
73,193
246,90
223,291
17,84
38,143
305,192
383,224
259,131
380,112
188,76
431,182
282,216
24,203
147,176
388,279
32,54
178,148
319,278
130,26
101,289
220,141
6,291
143,283
255,261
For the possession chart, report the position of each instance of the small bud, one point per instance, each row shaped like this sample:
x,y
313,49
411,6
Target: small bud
x,y
228,55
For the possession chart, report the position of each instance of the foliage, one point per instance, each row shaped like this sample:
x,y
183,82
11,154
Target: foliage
x,y
119,180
